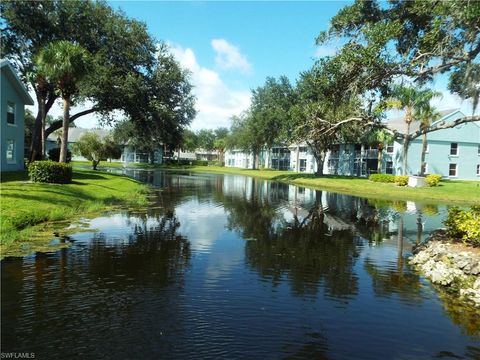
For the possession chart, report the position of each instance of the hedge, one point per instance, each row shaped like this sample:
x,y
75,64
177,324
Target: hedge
x,y
385,178
187,162
50,172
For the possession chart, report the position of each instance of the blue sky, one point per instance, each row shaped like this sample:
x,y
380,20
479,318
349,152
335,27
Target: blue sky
x,y
231,47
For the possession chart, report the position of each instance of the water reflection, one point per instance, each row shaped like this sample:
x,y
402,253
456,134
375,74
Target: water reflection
x,y
235,267
69,303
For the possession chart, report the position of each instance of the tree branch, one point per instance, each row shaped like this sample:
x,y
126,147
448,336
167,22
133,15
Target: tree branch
x,y
58,124
464,120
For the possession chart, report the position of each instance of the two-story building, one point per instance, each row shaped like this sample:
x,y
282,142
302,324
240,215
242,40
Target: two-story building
x,y
14,97
454,153
130,154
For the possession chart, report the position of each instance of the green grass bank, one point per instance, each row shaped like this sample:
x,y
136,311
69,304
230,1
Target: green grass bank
x,y
24,205
448,191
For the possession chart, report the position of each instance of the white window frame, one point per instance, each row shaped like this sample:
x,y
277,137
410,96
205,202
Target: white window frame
x,y
458,149
13,159
14,107
456,170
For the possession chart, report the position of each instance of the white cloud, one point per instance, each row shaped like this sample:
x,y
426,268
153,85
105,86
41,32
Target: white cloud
x,y
228,56
216,102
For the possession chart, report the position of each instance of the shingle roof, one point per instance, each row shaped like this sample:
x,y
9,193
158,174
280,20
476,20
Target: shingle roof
x,y
399,124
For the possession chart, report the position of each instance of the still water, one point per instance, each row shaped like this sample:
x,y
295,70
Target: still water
x,y
224,266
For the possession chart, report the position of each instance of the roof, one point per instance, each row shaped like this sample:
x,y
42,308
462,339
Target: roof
x,y
16,82
400,125
75,133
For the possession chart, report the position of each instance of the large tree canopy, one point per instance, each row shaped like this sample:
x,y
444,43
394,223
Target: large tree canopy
x,y
64,65
127,61
328,112
270,108
416,39
164,109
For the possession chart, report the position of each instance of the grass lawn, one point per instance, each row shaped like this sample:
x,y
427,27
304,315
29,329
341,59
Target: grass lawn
x,y
448,192
24,204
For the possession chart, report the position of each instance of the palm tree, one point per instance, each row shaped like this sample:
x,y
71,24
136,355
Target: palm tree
x,y
426,114
65,65
409,99
379,138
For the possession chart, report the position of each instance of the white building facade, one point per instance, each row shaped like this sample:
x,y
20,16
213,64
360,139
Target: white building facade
x,y
454,153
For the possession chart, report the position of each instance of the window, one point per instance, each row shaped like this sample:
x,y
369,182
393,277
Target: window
x,y
478,170
10,155
389,167
390,148
303,149
303,164
454,149
10,113
452,171
478,150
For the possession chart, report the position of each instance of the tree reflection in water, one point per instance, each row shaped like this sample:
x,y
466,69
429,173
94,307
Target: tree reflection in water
x,y
130,292
90,286
305,248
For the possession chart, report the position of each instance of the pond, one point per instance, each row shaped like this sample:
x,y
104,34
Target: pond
x,y
226,266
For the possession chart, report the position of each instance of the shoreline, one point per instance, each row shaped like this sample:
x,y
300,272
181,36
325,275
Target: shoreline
x,y
32,212
456,192
452,265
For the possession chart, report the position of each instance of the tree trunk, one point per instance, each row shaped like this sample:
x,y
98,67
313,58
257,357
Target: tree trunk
x,y
151,158
66,118
406,144
379,161
254,160
422,158
36,145
221,156
95,164
44,139
320,159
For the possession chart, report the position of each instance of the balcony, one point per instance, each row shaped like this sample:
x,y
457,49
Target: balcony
x,y
367,154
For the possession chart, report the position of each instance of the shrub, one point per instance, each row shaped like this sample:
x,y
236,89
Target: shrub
x,y
54,155
401,180
464,224
433,179
184,162
216,163
50,172
385,178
